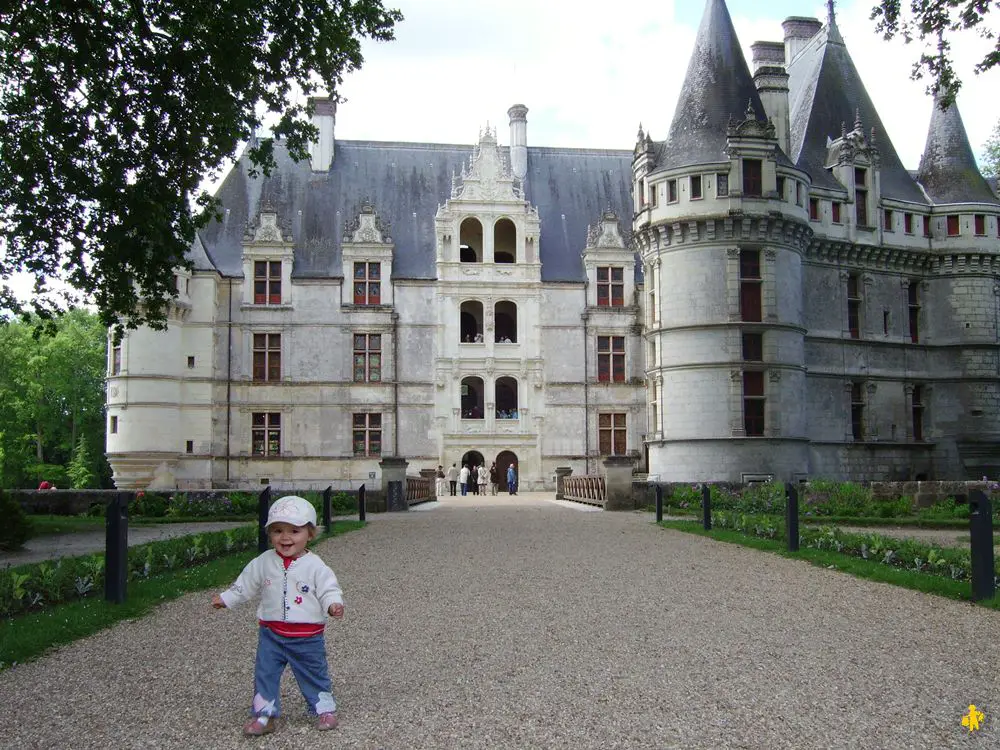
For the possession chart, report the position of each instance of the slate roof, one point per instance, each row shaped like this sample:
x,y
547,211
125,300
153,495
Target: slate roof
x,y
825,91
717,86
406,182
948,170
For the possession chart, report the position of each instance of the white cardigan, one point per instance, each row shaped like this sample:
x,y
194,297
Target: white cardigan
x,y
302,593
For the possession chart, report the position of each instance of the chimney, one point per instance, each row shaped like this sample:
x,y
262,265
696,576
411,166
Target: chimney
x,y
771,81
798,32
518,140
324,116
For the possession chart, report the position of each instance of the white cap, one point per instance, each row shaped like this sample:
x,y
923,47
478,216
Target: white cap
x,y
292,509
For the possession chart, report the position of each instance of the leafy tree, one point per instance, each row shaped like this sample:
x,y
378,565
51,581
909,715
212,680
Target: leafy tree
x,y
991,154
113,113
51,398
936,22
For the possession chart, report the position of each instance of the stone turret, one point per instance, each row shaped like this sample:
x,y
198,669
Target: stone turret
x,y
717,86
948,170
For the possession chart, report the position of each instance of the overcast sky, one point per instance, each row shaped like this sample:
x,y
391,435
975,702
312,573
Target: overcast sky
x,y
590,72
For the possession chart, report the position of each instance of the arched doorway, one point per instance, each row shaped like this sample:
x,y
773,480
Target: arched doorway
x,y
504,460
473,459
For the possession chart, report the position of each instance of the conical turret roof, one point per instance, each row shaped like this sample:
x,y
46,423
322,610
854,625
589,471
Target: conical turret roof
x,y
718,85
948,170
826,92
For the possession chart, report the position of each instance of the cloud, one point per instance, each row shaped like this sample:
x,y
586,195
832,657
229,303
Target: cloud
x,y
590,72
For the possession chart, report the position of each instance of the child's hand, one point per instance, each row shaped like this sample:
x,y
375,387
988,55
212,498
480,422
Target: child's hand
x,y
336,610
217,602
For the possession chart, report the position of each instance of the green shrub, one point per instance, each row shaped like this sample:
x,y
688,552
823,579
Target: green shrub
x,y
944,509
148,504
16,527
825,498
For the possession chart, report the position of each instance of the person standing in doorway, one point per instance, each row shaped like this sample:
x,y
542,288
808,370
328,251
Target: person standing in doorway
x,y
453,478
511,480
473,479
463,479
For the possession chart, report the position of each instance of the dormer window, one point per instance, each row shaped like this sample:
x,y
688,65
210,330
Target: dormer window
x,y
861,196
367,283
753,182
610,286
267,282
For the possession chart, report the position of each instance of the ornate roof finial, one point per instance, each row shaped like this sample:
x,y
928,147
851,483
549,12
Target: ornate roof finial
x,y
641,136
871,141
751,115
830,15
857,119
843,129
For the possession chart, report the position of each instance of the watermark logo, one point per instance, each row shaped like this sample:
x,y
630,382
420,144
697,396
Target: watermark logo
x,y
973,719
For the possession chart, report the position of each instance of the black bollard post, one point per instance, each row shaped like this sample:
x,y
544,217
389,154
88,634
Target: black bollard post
x,y
361,503
116,549
706,507
326,507
792,517
263,505
659,503
981,529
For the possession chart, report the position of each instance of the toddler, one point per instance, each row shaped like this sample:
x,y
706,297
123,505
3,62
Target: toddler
x,y
297,591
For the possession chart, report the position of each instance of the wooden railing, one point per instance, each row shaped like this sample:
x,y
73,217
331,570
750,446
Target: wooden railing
x,y
590,490
419,490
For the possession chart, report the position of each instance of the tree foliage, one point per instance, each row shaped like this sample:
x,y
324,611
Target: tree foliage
x,y
936,22
991,154
113,113
51,400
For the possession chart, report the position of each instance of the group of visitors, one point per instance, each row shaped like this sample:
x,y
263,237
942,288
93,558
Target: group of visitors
x,y
473,478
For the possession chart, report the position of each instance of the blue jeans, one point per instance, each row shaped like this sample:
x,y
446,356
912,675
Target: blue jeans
x,y
465,488
306,657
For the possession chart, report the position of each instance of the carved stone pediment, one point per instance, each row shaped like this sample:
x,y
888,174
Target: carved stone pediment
x,y
606,233
487,176
750,126
267,230
367,227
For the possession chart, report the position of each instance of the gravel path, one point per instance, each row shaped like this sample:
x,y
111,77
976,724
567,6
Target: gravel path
x,y
476,624
52,546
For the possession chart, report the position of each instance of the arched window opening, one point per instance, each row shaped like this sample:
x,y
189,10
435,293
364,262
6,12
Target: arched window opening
x,y
504,242
472,398
505,314
470,241
506,398
471,322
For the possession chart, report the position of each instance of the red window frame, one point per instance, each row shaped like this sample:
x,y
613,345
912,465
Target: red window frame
x,y
610,286
612,434
265,433
266,357
611,359
367,283
367,358
367,434
267,282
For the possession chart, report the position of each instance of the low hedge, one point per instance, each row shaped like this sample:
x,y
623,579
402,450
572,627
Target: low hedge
x,y
35,586
911,554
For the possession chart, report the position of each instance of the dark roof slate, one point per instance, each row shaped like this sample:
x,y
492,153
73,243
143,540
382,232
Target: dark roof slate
x,y
717,87
406,182
948,170
825,91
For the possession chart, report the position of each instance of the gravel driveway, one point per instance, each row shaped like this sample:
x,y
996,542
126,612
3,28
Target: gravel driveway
x,y
520,623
